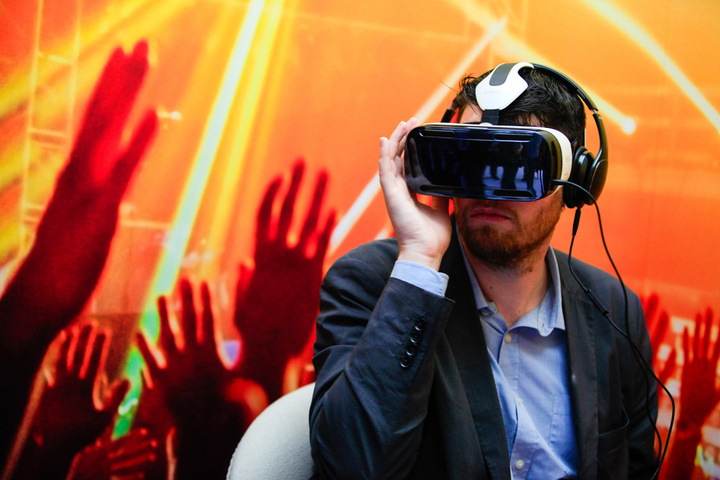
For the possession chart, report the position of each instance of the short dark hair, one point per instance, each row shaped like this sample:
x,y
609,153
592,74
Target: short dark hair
x,y
547,98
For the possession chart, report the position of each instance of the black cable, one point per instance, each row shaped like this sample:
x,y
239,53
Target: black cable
x,y
606,313
601,308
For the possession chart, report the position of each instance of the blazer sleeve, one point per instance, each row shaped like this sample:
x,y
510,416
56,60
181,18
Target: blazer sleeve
x,y
374,359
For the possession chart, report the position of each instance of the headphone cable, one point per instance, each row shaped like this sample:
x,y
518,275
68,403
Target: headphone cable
x,y
605,312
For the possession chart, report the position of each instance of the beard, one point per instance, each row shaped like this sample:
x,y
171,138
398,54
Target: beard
x,y
515,250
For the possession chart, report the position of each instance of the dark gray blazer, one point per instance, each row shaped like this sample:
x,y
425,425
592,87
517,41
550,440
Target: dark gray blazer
x,y
405,389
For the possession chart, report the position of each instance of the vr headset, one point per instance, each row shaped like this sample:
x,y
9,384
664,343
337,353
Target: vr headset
x,y
492,162
503,162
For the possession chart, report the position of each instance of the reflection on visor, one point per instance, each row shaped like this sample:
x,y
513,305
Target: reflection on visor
x,y
492,164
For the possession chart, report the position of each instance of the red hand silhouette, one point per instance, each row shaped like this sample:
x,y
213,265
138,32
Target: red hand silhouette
x,y
277,302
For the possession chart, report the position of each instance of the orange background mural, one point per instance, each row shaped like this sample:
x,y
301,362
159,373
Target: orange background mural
x,y
244,88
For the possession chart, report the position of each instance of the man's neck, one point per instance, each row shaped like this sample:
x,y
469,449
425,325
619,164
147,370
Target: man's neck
x,y
515,292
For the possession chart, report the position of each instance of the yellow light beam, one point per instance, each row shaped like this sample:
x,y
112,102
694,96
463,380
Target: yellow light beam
x,y
508,45
348,221
247,107
171,260
632,29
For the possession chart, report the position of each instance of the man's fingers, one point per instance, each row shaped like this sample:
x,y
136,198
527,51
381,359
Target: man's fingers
x,y
409,125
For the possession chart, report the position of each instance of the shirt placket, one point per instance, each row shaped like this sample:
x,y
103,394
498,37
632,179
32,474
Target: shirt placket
x,y
525,443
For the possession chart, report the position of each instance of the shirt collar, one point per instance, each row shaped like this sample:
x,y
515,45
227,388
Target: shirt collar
x,y
551,303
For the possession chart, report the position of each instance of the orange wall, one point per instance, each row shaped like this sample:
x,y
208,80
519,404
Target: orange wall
x,y
324,80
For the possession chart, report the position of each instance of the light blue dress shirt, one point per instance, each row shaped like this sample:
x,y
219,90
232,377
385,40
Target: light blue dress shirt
x,y
529,363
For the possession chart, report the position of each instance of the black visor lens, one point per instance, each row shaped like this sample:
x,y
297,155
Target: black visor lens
x,y
494,164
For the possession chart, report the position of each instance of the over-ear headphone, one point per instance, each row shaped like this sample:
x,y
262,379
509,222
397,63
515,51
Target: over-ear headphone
x,y
589,171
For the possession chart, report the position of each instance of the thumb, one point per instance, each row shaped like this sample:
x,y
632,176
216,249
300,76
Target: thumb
x,y
115,394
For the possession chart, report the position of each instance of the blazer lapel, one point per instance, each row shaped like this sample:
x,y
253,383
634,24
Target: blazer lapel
x,y
466,342
583,368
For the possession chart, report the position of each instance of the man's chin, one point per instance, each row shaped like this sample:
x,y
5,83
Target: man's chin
x,y
502,251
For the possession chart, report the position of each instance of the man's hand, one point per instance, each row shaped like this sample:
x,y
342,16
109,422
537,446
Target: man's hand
x,y
422,231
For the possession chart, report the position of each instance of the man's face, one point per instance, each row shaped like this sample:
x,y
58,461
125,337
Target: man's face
x,y
503,234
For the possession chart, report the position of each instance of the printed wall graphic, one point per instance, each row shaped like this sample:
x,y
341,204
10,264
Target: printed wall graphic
x,y
259,170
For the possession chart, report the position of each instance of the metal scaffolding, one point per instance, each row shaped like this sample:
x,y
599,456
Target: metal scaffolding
x,y
50,113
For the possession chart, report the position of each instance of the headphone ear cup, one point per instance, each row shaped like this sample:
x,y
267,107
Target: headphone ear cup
x,y
597,173
588,172
574,197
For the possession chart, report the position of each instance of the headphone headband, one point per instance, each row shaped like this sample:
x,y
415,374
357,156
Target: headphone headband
x,y
602,151
505,84
570,84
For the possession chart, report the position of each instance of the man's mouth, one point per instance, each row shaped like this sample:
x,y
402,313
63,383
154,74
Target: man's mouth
x,y
489,213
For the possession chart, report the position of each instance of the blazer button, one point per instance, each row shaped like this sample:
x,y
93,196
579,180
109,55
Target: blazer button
x,y
406,361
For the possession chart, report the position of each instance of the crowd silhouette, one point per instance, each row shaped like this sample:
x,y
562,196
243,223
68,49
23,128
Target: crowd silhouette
x,y
52,285
194,407
699,393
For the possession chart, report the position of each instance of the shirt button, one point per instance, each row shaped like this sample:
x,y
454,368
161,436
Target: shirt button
x,y
508,338
519,464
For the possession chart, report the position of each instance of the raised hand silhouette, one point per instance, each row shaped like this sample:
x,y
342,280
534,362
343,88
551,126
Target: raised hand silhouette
x,y
69,417
195,385
699,395
55,280
659,324
278,299
127,457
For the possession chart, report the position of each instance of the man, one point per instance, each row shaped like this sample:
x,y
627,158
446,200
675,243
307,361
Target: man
x,y
464,348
